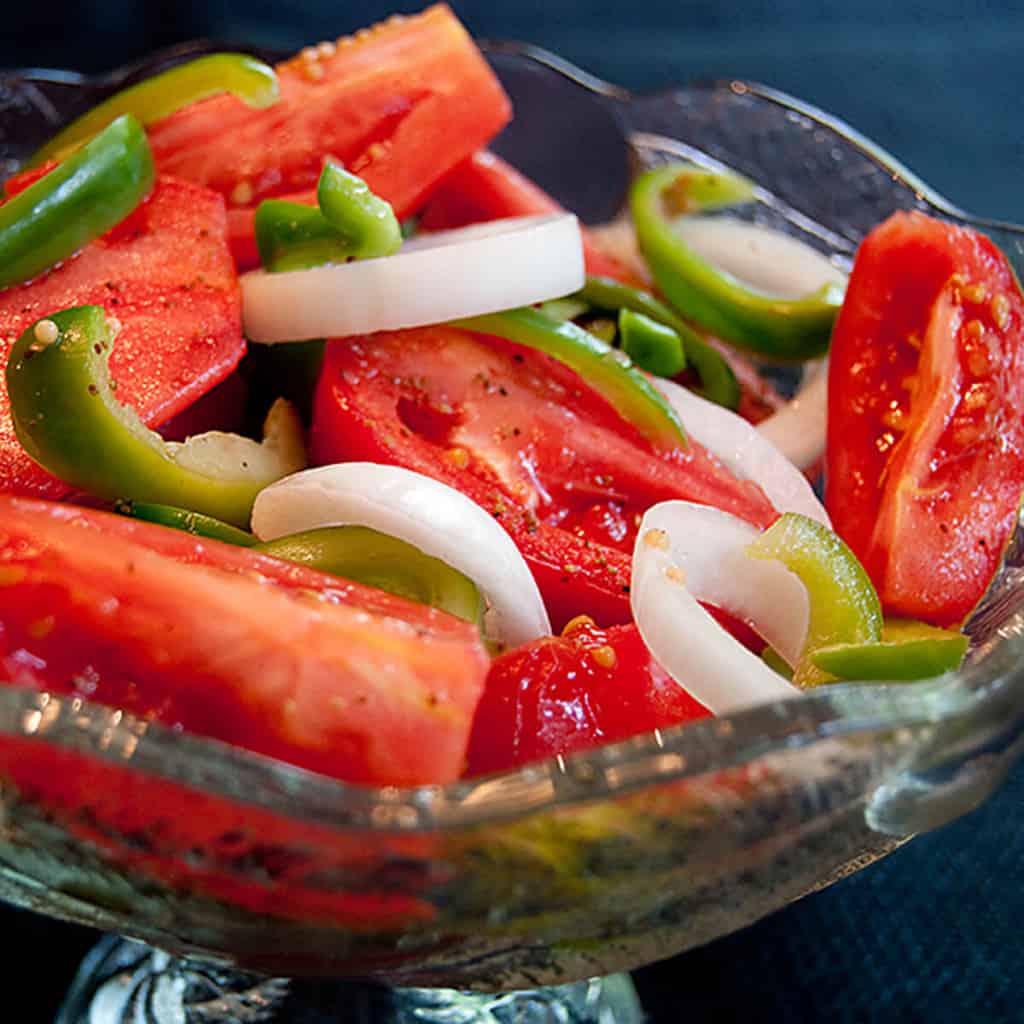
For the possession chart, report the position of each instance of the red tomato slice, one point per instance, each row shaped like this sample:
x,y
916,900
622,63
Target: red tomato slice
x,y
105,608
926,414
524,437
573,692
399,104
166,274
485,187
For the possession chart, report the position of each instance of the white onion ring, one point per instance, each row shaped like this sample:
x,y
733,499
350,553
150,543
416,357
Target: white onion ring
x,y
447,275
749,454
706,660
436,518
798,428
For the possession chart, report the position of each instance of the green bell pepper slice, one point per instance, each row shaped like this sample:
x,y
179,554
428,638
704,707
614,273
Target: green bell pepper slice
x,y
79,200
293,236
844,606
366,222
378,560
717,381
252,81
607,370
782,329
350,223
907,650
68,419
652,346
187,521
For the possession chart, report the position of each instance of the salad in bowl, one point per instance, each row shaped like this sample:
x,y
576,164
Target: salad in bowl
x,y
401,579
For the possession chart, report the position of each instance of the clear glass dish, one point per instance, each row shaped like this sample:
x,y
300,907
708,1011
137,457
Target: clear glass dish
x,y
568,869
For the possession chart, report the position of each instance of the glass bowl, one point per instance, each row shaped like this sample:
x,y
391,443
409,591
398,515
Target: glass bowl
x,y
563,870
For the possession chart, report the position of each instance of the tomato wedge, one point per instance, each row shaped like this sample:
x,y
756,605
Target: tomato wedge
x,y
485,187
399,104
196,634
568,693
528,440
925,464
165,273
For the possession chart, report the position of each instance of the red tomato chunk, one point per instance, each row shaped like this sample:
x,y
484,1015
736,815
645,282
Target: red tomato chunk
x,y
925,461
166,275
236,646
525,438
399,104
572,692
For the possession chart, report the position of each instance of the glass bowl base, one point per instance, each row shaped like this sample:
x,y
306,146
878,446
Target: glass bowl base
x,y
126,982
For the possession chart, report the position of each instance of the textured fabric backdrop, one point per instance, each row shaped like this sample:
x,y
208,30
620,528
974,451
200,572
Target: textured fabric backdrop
x,y
932,933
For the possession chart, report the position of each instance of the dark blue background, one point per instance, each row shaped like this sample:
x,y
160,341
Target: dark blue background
x,y
930,934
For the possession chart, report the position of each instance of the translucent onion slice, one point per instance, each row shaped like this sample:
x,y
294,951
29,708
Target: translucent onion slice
x,y
694,649
430,515
798,428
434,278
763,258
748,453
709,545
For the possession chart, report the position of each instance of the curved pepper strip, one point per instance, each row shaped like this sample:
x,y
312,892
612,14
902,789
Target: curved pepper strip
x,y
68,419
376,559
351,223
907,650
783,329
607,370
844,608
718,382
651,345
79,200
186,521
252,81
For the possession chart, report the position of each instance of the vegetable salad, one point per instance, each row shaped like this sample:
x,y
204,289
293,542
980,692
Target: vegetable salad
x,y
328,434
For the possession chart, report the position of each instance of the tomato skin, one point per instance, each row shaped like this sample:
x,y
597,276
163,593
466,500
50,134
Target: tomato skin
x,y
166,275
485,187
524,437
248,651
400,105
925,464
573,692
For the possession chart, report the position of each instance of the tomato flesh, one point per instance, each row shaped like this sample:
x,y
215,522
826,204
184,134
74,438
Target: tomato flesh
x,y
399,104
573,692
166,275
525,438
925,463
271,658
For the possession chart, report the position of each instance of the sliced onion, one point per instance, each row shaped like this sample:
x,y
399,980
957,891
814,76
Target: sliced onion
x,y
436,518
693,648
748,453
709,545
798,428
437,277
